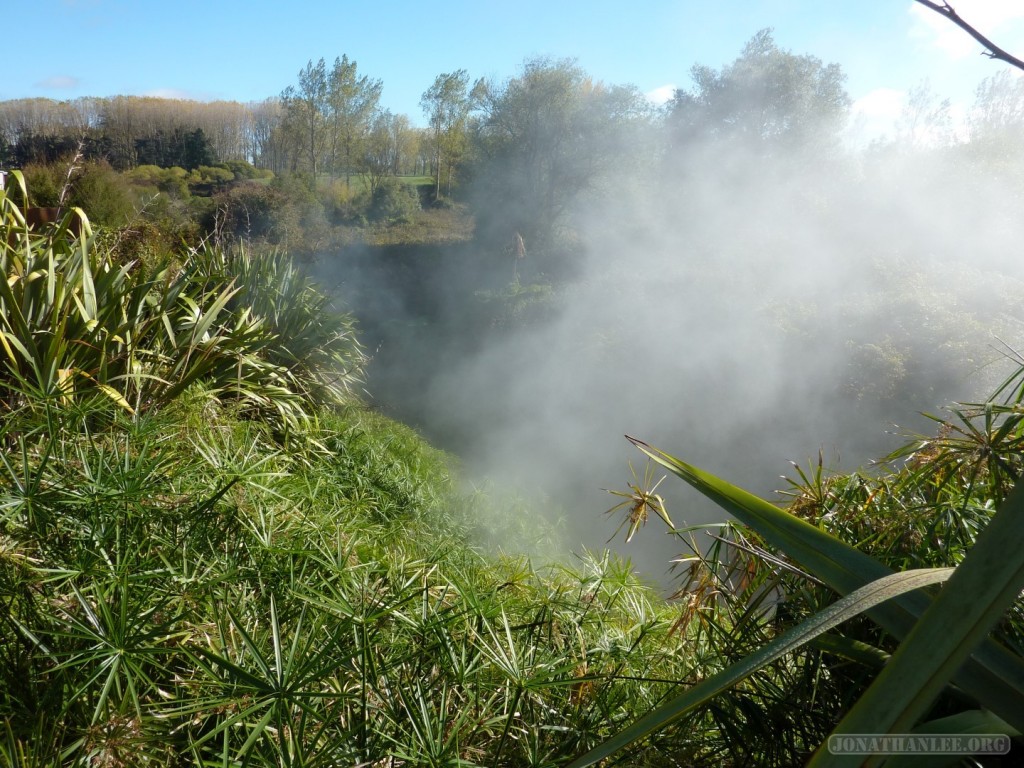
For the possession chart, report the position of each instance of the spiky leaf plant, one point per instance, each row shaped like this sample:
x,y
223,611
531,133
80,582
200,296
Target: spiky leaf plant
x,y
74,321
178,587
954,655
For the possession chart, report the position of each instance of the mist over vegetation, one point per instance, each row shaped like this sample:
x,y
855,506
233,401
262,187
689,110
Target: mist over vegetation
x,y
308,415
729,274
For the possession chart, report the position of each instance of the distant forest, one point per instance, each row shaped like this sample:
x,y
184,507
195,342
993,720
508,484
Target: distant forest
x,y
535,143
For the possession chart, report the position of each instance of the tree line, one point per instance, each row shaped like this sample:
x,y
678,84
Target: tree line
x,y
527,149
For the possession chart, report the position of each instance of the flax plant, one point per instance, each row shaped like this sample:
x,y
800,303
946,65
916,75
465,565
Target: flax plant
x,y
885,656
73,321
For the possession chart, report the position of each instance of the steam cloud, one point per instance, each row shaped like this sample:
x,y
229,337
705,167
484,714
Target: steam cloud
x,y
737,308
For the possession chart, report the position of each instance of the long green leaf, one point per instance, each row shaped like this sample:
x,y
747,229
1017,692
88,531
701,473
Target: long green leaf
x,y
88,286
992,675
986,584
845,608
973,721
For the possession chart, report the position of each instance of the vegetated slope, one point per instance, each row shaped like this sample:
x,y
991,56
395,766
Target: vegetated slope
x,y
212,553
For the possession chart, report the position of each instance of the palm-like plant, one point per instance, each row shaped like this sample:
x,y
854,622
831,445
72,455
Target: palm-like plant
x,y
72,321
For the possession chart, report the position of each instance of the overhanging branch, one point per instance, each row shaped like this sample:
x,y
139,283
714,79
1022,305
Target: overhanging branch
x,y
992,50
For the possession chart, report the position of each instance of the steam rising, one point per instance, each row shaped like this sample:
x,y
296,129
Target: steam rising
x,y
736,303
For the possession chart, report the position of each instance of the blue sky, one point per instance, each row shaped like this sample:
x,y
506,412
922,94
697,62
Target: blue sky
x,y
247,51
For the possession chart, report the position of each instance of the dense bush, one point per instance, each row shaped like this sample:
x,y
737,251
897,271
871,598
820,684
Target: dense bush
x,y
75,322
103,194
394,202
257,212
171,181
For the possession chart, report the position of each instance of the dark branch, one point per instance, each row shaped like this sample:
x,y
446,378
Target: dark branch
x,y
992,50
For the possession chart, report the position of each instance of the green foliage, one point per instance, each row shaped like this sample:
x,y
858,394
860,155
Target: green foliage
x,y
103,194
181,582
211,175
517,304
45,181
172,181
184,590
767,96
189,149
543,139
73,323
257,213
394,202
943,658
447,105
242,169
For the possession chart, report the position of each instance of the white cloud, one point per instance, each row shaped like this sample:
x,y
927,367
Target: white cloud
x,y
874,115
989,17
881,102
662,94
172,93
59,82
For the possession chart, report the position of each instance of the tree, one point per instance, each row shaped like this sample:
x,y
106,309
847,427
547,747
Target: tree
x,y
267,140
405,144
119,123
351,104
381,154
447,105
306,110
998,113
545,138
926,120
768,97
183,148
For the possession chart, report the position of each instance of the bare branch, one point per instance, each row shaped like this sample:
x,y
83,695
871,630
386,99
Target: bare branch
x,y
992,50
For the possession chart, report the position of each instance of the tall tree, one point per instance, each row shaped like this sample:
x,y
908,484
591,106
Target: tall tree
x,y
405,144
380,150
306,109
447,105
266,140
768,97
352,101
391,145
925,120
545,138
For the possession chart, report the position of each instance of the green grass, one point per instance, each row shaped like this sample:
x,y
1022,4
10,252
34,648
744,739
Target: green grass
x,y
431,226
360,182
179,584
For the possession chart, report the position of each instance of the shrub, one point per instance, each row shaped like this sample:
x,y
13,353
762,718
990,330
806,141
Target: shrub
x,y
45,181
103,194
241,169
394,202
211,175
74,323
250,210
172,181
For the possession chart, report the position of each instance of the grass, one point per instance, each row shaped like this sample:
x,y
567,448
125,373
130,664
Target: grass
x,y
430,226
